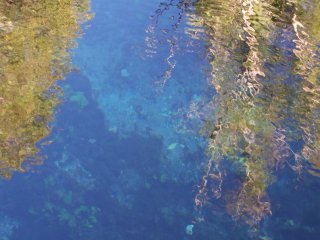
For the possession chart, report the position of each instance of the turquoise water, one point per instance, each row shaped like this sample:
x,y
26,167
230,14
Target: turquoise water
x,y
127,153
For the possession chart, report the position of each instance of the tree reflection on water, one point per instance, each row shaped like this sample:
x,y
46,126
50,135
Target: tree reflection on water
x,y
265,70
35,42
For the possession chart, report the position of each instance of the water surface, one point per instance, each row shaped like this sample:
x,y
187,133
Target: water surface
x,y
172,113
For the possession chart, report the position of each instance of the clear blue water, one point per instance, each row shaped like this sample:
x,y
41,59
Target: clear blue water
x,y
126,154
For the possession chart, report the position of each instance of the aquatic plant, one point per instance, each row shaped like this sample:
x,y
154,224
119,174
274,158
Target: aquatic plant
x,y
66,206
267,96
7,227
78,218
35,41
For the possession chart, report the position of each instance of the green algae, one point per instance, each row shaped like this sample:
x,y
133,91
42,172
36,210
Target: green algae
x,y
80,99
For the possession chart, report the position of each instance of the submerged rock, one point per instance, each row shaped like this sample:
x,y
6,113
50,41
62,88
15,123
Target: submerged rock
x,y
172,146
125,72
189,229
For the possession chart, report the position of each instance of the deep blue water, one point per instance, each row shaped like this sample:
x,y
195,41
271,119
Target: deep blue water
x,y
126,153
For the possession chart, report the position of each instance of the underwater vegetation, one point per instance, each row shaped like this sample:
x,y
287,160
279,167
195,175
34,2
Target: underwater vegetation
x,y
265,69
7,227
126,154
35,42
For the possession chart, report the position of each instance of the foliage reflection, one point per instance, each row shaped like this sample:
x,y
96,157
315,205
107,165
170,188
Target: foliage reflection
x,y
265,68
35,39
